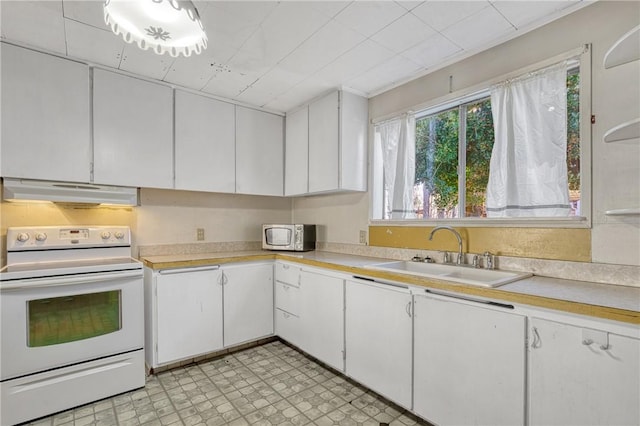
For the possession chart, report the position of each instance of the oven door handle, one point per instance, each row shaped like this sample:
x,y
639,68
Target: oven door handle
x,y
58,281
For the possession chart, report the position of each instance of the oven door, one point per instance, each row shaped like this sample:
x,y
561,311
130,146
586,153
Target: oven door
x,y
57,321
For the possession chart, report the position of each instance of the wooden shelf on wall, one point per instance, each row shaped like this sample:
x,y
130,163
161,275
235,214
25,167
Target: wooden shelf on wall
x,y
624,132
626,49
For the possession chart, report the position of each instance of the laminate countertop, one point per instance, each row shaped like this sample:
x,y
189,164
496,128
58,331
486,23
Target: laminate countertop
x,y
613,302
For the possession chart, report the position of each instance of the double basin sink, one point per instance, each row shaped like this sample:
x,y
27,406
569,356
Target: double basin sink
x,y
456,273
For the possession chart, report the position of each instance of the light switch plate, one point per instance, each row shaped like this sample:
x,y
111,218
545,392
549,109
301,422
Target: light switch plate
x,y
200,234
363,237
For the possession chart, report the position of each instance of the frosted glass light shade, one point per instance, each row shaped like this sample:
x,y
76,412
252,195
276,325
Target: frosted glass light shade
x,y
171,26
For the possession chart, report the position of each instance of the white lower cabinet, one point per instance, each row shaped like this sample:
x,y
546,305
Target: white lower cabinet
x,y
582,376
187,314
378,336
469,363
194,311
322,317
248,302
287,327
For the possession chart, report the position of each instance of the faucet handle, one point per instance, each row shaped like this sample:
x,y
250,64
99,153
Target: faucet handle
x,y
476,261
488,260
445,257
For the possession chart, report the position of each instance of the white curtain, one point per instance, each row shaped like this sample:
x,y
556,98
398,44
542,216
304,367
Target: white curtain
x,y
397,139
528,170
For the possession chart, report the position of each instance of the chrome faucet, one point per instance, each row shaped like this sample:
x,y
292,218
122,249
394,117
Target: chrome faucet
x,y
460,259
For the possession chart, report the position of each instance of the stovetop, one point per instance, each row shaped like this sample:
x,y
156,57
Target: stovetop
x,y
72,267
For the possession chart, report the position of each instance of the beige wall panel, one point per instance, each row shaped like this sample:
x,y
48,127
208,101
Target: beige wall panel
x,y
537,243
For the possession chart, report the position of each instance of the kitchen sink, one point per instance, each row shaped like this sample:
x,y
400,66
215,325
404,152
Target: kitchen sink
x,y
460,274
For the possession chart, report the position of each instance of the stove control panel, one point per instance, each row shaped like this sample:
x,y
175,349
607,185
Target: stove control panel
x,y
55,237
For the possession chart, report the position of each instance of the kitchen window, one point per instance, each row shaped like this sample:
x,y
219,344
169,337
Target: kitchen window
x,y
436,164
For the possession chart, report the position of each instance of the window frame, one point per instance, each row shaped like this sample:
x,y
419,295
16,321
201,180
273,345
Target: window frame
x,y
465,96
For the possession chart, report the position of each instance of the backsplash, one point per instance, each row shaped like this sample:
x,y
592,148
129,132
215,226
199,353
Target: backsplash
x,y
579,271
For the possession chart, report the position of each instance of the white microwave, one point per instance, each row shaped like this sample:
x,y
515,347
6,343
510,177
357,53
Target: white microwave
x,y
289,237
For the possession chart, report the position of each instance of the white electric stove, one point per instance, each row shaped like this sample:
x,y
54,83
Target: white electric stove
x,y
72,320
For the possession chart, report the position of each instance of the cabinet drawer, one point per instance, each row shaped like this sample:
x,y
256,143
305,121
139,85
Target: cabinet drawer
x,y
287,273
287,298
288,327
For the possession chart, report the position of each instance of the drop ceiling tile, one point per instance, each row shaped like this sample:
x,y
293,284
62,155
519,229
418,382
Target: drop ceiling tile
x,y
87,12
249,12
409,5
431,51
195,71
300,94
290,24
394,70
369,17
36,23
358,60
404,32
322,48
269,86
479,29
145,62
521,13
229,84
227,27
93,44
329,8
442,14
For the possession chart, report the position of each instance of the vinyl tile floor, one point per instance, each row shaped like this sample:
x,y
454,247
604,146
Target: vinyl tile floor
x,y
272,384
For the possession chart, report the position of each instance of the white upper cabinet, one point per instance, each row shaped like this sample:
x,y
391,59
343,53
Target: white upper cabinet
x,y
259,152
296,163
338,143
324,141
133,131
45,117
204,143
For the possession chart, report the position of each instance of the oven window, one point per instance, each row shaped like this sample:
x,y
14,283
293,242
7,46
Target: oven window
x,y
72,318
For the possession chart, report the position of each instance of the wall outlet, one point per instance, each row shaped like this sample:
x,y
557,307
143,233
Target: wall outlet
x,y
363,237
200,234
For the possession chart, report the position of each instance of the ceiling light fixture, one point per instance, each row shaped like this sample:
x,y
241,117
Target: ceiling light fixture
x,y
171,26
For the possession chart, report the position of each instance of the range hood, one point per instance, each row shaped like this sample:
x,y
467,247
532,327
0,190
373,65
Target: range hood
x,y
67,192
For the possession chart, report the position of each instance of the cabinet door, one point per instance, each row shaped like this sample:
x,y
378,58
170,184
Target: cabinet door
x,y
322,317
133,131
288,327
354,116
378,338
469,363
576,383
189,314
248,303
296,163
45,117
324,144
205,144
259,156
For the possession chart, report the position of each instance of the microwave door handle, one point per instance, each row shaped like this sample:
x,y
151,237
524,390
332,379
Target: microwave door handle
x,y
58,281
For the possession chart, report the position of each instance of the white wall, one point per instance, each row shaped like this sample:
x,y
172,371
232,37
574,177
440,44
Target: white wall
x,y
166,216
615,99
340,217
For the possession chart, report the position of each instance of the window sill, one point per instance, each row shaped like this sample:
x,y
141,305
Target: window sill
x,y
560,222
